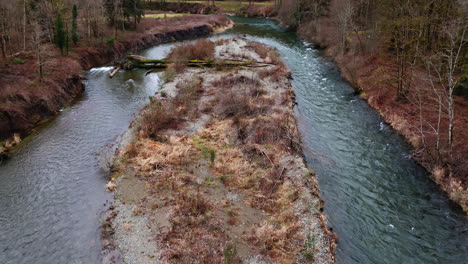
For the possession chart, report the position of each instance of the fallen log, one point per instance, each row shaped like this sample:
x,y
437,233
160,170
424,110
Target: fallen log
x,y
136,61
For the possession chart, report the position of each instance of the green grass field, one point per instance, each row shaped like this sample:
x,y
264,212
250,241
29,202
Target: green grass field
x,y
228,6
162,15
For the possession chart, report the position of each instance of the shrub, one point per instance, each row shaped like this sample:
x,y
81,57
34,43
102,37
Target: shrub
x,y
110,42
169,74
241,81
230,254
19,61
309,249
156,118
202,49
192,205
132,150
188,94
232,104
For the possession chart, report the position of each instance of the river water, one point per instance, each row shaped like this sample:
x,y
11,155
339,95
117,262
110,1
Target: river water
x,y
381,204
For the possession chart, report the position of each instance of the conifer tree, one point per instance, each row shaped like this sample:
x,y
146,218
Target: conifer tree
x,y
74,25
67,41
59,33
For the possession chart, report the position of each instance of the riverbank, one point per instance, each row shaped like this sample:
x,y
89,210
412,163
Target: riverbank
x,y
212,168
26,99
369,73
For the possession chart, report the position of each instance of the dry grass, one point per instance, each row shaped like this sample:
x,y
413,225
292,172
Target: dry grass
x,y
267,53
275,73
156,117
247,150
169,114
235,95
202,49
189,91
275,241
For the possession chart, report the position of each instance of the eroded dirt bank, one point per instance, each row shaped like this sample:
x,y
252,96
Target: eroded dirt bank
x,y
212,170
26,100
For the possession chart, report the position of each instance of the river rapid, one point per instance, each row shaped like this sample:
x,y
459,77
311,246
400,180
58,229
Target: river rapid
x,y
380,203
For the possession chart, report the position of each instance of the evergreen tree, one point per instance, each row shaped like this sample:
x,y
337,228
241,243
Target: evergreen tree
x,y
59,33
110,12
67,41
133,8
74,25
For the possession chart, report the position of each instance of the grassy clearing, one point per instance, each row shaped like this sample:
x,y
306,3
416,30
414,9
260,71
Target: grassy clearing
x,y
164,15
229,6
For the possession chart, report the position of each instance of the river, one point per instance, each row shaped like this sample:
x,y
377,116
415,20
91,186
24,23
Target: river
x,y
380,203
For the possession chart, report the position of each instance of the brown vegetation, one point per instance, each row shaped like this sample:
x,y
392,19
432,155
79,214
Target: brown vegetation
x,y
257,11
202,49
26,99
229,185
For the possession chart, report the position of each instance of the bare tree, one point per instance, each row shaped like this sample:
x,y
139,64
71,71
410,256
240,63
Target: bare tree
x,y
38,38
3,33
344,22
445,64
24,25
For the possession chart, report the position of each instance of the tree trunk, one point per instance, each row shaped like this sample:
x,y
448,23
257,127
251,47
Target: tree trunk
x,y
89,25
135,61
3,46
24,25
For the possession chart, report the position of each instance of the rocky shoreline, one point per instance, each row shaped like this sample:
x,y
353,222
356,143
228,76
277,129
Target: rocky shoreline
x,y
212,171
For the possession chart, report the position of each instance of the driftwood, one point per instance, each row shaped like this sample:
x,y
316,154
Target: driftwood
x,y
135,61
114,71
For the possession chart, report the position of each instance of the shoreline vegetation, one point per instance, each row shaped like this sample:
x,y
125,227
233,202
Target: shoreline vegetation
x,y
212,170
28,99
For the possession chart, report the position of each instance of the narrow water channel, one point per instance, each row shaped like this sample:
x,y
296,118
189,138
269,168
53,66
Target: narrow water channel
x,y
52,192
380,203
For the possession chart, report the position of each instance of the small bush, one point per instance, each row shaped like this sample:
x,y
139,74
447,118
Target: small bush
x,y
19,61
110,42
188,93
209,153
230,254
202,49
169,74
156,118
232,104
241,81
275,73
309,249
132,150
192,205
